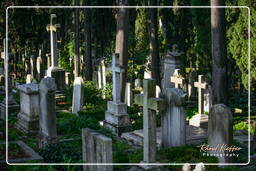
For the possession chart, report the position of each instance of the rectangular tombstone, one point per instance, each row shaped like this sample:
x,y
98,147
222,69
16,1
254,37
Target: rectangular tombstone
x,y
220,130
97,148
78,95
128,94
47,116
28,117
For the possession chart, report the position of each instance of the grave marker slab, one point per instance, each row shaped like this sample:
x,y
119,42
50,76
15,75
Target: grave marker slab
x,y
47,116
78,95
97,148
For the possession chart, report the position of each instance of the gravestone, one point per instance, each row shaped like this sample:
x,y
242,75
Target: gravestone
x,y
137,83
177,79
220,130
169,63
39,68
97,148
158,91
200,119
28,117
47,115
78,95
33,65
54,71
199,167
174,119
29,79
191,88
208,99
67,79
186,167
150,106
128,94
116,117
101,71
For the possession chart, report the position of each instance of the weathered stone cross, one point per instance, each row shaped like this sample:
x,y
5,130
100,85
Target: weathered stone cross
x,y
177,79
201,85
150,106
116,71
52,27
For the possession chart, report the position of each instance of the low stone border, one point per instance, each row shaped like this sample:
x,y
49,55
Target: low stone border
x,y
33,155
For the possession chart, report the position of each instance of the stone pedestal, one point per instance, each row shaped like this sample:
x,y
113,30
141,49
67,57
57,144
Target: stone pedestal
x,y
116,118
174,119
28,117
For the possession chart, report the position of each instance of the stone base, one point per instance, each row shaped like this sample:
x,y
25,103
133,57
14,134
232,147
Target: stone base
x,y
11,108
27,124
59,75
44,140
199,120
116,118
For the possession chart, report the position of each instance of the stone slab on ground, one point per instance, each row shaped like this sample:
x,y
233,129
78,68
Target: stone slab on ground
x,y
194,136
33,156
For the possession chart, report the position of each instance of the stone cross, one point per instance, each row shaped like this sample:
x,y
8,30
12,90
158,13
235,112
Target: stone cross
x,y
201,85
47,115
52,28
177,78
150,106
97,148
116,72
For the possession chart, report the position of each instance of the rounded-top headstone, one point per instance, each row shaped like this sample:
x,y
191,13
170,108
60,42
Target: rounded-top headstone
x,y
47,84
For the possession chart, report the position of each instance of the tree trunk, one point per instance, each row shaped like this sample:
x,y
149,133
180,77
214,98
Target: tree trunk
x,y
122,42
219,53
153,38
77,59
88,42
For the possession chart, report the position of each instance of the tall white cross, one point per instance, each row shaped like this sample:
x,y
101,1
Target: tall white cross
x,y
177,79
52,27
201,85
116,71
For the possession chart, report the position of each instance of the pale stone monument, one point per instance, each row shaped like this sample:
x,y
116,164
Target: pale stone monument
x,y
128,94
169,63
29,79
199,167
54,71
150,106
137,83
47,115
33,65
78,95
28,117
97,148
116,117
67,79
200,119
101,74
220,130
174,119
191,88
208,99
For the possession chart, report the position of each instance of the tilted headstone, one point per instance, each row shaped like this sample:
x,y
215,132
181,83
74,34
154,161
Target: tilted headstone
x,y
54,71
47,115
29,79
78,95
28,117
169,63
128,94
200,119
150,106
177,79
174,119
220,130
116,117
97,148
